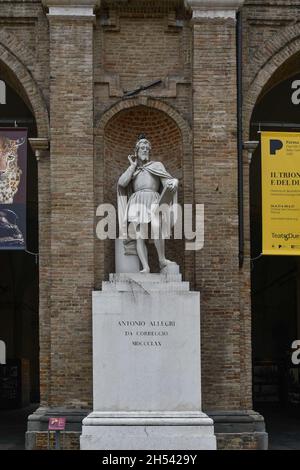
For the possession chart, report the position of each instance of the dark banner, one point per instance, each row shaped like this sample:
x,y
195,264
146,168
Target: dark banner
x,y
13,166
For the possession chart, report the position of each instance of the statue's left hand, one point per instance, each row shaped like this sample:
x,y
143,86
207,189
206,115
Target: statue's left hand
x,y
173,185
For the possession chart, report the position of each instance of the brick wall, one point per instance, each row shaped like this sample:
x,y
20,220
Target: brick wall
x,y
134,45
215,161
72,215
68,441
271,39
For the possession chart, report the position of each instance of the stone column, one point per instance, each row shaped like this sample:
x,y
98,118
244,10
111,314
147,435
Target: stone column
x,y
225,379
249,148
40,146
69,388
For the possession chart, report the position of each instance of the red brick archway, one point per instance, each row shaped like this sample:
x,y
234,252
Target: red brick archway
x,y
272,56
22,80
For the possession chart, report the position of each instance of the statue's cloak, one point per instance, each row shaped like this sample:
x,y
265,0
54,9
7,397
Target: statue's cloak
x,y
124,194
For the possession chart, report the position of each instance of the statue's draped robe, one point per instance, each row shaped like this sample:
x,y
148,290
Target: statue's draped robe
x,y
137,207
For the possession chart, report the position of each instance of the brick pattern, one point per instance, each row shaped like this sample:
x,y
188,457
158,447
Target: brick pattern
x,y
72,211
237,441
44,278
122,54
133,65
215,163
24,59
245,300
266,58
69,441
18,75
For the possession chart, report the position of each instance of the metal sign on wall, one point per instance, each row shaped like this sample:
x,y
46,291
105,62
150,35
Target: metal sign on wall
x,y
280,193
13,166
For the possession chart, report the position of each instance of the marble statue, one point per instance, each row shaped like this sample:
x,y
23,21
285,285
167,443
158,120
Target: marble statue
x,y
141,190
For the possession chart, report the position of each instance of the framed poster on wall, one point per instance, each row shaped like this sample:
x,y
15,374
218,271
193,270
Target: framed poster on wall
x,y
280,193
13,168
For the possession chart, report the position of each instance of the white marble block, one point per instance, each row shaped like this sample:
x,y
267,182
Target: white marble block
x,y
125,264
146,366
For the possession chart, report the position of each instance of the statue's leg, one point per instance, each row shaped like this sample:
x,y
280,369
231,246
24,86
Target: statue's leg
x,y
160,248
141,231
142,252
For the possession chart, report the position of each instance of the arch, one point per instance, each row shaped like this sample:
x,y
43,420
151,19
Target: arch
x,y
17,47
21,79
150,102
270,57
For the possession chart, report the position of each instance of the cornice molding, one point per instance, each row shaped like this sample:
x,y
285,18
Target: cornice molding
x,y
71,8
40,146
213,8
250,146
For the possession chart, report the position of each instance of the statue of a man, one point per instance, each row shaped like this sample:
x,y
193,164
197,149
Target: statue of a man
x,y
139,193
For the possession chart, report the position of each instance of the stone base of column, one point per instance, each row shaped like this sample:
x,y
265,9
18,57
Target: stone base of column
x,y
147,431
36,436
239,430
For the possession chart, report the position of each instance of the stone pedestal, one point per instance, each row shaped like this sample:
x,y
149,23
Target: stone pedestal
x,y
146,366
125,264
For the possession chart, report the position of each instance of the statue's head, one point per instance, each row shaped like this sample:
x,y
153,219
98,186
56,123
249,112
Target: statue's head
x,y
143,148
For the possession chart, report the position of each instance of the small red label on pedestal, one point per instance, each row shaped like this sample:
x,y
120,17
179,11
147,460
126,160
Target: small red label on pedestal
x,y
57,424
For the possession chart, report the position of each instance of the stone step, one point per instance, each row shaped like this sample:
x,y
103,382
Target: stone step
x,y
140,277
136,286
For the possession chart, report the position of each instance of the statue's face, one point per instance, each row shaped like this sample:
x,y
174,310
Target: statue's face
x,y
143,151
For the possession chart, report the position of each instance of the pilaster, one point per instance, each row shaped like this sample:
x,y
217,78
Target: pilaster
x,y
215,163
72,199
213,8
226,325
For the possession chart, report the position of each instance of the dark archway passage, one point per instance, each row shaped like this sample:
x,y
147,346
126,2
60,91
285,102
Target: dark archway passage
x,y
19,285
275,279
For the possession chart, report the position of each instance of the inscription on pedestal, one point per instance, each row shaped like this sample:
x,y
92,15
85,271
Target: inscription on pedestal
x,y
146,346
146,333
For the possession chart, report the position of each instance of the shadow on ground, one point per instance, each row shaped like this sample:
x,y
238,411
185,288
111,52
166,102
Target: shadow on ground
x,y
13,424
283,426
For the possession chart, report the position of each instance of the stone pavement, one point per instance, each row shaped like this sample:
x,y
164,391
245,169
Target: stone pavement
x,y
283,426
13,425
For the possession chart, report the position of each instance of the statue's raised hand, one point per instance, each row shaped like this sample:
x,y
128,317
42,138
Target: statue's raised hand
x,y
132,160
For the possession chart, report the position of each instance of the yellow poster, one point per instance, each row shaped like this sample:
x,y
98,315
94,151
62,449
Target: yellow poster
x,y
280,165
